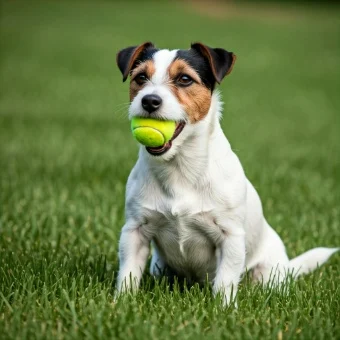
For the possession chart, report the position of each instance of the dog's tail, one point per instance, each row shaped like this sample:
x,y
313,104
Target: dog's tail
x,y
310,260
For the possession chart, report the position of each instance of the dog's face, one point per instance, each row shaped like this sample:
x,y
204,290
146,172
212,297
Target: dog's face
x,y
173,85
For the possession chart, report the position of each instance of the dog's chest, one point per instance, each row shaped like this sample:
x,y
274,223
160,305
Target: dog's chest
x,y
184,230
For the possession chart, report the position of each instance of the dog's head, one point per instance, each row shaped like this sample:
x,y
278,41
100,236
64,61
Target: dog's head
x,y
173,85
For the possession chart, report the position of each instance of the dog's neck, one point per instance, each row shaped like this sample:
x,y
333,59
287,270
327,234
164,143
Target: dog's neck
x,y
192,158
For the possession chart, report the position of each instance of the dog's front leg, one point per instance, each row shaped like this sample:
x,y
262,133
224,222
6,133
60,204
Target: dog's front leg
x,y
133,254
230,264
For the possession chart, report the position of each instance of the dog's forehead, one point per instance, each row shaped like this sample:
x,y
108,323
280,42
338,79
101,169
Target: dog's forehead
x,y
162,60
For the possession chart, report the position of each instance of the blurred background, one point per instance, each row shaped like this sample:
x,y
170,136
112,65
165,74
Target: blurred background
x,y
66,147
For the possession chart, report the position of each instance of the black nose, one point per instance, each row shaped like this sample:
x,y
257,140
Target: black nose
x,y
151,102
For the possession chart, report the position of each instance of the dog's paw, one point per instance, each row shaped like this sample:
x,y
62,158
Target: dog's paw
x,y
227,295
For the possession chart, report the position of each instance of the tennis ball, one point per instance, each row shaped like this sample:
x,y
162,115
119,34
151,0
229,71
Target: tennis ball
x,y
152,132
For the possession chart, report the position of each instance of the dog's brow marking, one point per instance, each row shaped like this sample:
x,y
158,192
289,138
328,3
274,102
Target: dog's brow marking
x,y
162,59
147,66
180,66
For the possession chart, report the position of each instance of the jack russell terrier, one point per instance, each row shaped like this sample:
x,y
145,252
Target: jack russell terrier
x,y
190,197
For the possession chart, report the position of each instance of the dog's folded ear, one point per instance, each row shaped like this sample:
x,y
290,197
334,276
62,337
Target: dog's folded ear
x,y
127,57
221,61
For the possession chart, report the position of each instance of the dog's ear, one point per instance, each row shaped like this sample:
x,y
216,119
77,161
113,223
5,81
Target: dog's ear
x,y
221,61
127,57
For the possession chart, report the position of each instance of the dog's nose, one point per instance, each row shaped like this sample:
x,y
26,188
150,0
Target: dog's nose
x,y
151,102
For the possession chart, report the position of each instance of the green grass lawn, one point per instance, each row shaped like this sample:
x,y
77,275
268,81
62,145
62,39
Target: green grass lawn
x,y
66,152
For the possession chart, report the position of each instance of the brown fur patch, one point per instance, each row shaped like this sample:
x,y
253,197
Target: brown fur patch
x,y
147,67
196,98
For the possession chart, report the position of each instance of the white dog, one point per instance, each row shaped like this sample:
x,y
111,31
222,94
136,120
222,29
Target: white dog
x,y
190,197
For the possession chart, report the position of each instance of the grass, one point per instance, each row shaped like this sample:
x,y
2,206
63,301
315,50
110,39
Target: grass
x,y
66,152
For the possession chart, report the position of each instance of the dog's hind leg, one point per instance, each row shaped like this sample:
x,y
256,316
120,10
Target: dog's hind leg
x,y
273,262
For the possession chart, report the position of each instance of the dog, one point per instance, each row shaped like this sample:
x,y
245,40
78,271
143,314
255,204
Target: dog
x,y
190,198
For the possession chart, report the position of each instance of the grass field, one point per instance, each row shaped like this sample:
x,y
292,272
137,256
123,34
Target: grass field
x,y
66,152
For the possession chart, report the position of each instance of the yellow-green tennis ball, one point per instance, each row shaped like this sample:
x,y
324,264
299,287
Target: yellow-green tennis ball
x,y
152,132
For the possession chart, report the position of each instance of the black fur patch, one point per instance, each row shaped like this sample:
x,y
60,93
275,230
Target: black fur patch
x,y
200,64
147,54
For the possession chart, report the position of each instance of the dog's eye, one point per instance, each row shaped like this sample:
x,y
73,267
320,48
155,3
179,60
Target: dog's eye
x,y
184,80
141,78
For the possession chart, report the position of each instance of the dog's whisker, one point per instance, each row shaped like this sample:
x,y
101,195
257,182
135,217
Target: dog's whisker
x,y
122,105
122,111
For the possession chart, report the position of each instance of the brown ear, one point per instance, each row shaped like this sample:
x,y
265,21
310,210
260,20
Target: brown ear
x,y
220,60
127,57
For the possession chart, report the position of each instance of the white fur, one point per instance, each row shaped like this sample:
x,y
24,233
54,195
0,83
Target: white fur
x,y
198,209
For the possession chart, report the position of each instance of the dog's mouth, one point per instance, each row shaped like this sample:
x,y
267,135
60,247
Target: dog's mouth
x,y
160,150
